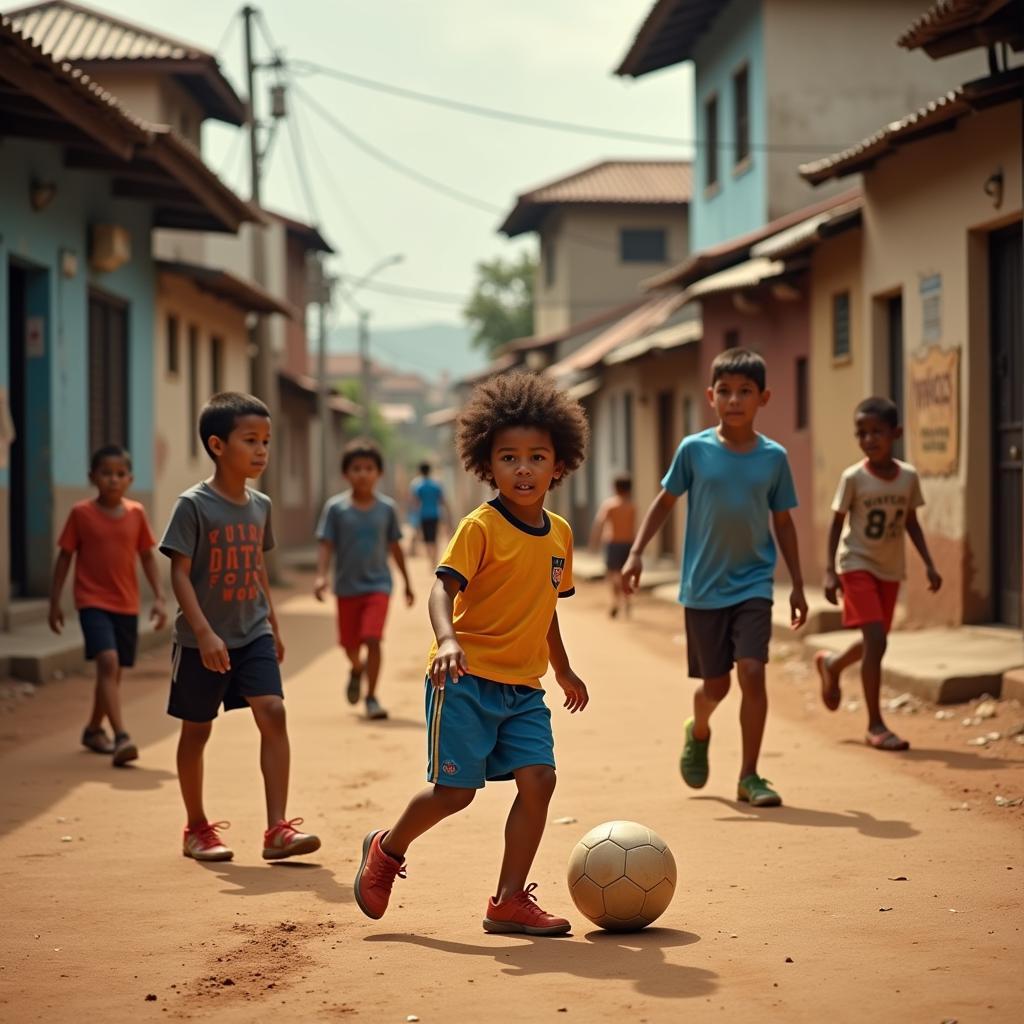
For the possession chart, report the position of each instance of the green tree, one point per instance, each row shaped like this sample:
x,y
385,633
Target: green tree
x,y
501,306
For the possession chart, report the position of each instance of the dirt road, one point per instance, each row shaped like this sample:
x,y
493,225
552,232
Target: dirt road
x,y
791,914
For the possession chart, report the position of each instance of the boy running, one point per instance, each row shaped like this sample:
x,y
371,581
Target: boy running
x,y
107,533
493,612
227,646
428,504
615,524
359,529
875,504
738,485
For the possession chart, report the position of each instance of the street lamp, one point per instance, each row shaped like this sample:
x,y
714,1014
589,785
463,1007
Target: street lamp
x,y
349,288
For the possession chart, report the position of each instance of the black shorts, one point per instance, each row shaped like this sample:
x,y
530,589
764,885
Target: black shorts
x,y
428,527
615,554
716,638
197,693
110,631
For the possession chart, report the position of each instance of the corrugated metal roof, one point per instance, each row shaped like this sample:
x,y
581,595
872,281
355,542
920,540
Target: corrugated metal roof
x,y
82,35
685,333
951,26
638,182
244,294
807,232
744,275
573,330
955,104
668,34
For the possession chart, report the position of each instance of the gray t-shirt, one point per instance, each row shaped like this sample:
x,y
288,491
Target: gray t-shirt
x,y
361,538
226,543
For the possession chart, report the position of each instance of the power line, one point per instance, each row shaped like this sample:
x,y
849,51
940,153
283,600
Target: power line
x,y
312,68
301,166
396,165
413,292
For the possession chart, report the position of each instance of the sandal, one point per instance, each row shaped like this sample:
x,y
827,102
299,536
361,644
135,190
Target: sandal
x,y
887,740
831,695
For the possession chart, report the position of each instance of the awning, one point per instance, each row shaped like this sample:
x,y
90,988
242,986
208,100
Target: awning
x,y
225,285
585,388
659,341
743,275
307,387
441,418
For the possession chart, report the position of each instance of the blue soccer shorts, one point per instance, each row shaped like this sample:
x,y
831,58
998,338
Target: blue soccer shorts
x,y
480,731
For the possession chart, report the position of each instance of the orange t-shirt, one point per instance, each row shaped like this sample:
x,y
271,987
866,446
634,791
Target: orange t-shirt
x,y
106,547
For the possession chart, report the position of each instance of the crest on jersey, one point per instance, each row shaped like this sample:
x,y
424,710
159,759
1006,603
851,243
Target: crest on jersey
x,y
557,568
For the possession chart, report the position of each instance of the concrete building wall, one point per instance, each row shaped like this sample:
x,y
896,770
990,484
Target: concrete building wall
x,y
583,245
927,214
179,457
59,375
834,75
738,203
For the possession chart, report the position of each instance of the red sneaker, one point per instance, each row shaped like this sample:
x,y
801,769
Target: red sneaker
x,y
520,913
284,840
376,875
203,843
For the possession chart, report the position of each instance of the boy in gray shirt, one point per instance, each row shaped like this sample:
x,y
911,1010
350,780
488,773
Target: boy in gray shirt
x,y
359,529
227,648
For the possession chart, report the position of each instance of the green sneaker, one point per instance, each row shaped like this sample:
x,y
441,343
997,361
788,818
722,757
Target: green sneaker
x,y
757,792
693,765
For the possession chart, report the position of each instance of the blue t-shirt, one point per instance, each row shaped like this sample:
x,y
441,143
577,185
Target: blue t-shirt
x,y
429,494
729,554
361,539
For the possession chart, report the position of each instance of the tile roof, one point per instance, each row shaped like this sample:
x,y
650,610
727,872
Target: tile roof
x,y
88,37
951,26
609,182
1004,87
308,234
668,34
573,330
244,294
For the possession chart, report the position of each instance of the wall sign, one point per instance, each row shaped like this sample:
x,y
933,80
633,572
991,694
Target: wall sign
x,y
35,337
933,420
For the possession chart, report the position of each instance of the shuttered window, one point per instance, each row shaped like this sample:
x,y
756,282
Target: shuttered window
x,y
108,372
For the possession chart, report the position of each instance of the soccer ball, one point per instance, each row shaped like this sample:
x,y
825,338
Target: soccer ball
x,y
622,876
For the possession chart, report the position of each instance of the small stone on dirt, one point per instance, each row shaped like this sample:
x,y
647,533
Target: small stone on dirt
x,y
978,741
565,820
941,715
67,839
897,878
151,998
882,910
789,960
1005,801
412,1017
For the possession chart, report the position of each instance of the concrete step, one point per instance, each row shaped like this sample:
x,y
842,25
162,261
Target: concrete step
x,y
26,611
36,654
586,565
1013,685
945,666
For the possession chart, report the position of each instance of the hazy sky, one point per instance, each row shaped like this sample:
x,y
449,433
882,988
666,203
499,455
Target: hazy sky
x,y
550,58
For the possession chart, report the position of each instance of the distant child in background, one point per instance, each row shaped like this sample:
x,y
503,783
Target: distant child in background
x,y
107,534
615,524
359,529
739,488
227,645
493,613
429,504
876,503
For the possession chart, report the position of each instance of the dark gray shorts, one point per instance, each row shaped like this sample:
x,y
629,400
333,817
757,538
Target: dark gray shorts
x,y
716,638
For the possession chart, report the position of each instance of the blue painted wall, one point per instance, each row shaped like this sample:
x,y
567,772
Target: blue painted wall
x,y
37,239
740,204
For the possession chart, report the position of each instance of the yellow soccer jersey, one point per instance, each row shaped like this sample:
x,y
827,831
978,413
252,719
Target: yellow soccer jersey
x,y
511,576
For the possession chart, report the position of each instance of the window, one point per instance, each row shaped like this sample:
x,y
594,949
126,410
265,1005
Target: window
x,y
216,364
193,387
549,264
710,141
732,339
108,372
841,325
741,113
802,397
642,245
173,354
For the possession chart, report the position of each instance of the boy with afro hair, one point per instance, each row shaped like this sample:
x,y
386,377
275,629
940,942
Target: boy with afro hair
x,y
493,613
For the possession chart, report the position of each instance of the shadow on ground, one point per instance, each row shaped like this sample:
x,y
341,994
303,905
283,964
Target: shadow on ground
x,y
270,879
961,760
638,958
865,824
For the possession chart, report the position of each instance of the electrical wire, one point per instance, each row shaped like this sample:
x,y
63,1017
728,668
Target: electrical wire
x,y
302,167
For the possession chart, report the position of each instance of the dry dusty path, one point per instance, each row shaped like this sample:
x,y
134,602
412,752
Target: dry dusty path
x,y
778,915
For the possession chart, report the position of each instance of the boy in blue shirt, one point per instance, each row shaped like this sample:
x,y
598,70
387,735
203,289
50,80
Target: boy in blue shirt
x,y
737,481
428,503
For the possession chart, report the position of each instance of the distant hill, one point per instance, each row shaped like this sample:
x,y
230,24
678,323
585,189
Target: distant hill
x,y
430,349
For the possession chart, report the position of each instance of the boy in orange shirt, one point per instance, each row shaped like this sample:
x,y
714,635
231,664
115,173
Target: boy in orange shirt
x,y
108,533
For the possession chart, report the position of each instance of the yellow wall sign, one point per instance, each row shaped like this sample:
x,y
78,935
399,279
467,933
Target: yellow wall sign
x,y
933,420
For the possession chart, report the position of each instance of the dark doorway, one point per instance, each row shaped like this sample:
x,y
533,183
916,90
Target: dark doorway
x,y
1005,270
16,377
666,449
894,359
108,372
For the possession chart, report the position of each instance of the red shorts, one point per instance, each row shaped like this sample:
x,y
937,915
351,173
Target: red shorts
x,y
361,618
866,599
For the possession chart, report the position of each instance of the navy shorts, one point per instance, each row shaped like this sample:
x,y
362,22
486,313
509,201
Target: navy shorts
x,y
480,731
429,529
110,631
197,693
716,638
616,553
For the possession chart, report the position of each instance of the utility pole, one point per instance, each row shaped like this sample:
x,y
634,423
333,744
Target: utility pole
x,y
366,390
322,286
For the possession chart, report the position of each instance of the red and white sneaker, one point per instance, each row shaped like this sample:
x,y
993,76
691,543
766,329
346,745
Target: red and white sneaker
x,y
520,913
203,843
376,876
284,840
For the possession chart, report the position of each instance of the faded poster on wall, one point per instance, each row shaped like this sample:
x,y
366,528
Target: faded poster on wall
x,y
933,416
